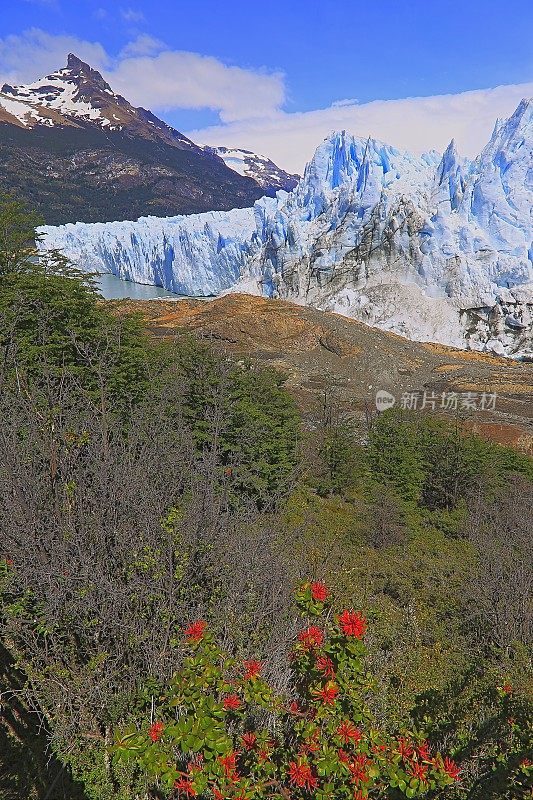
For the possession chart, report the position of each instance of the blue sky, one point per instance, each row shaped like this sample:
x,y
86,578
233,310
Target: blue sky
x,y
294,58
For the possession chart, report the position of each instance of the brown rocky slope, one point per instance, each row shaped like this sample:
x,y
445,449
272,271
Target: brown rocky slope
x,y
319,352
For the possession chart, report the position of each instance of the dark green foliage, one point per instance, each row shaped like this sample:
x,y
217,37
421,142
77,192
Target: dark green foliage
x,y
394,455
17,235
434,463
53,325
246,414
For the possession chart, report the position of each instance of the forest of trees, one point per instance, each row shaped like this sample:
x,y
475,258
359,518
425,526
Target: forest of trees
x,y
147,485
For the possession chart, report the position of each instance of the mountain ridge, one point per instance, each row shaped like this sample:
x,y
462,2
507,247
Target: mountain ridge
x,y
76,150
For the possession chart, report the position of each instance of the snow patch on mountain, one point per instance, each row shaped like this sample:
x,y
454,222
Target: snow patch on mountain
x,y
263,171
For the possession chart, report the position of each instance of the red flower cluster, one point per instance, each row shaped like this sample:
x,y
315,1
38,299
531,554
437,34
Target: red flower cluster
x,y
195,632
507,688
311,637
263,755
301,775
231,702
451,769
319,591
352,623
423,752
184,785
328,694
348,732
155,731
417,770
358,769
325,665
405,748
252,669
249,741
229,763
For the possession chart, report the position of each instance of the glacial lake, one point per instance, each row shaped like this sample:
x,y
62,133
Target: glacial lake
x,y
113,288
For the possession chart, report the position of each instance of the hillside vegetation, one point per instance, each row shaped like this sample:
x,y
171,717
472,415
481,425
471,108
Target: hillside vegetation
x,y
150,487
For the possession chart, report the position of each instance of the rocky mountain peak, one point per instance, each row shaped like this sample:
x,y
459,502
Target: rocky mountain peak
x,y
82,73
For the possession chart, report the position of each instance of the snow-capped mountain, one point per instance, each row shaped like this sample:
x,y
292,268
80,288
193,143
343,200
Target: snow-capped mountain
x,y
263,171
77,95
79,151
434,249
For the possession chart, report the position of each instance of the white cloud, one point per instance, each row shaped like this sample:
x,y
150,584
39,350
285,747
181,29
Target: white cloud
x,y
143,45
35,53
131,15
417,124
347,102
177,79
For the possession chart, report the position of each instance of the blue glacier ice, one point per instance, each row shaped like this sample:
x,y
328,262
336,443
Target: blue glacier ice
x,y
424,246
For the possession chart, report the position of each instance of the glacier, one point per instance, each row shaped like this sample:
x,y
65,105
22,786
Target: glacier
x,y
435,248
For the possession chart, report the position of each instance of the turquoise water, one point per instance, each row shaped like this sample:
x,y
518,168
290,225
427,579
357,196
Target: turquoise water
x,y
113,288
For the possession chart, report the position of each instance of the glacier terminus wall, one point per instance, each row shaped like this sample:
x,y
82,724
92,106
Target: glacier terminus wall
x,y
433,248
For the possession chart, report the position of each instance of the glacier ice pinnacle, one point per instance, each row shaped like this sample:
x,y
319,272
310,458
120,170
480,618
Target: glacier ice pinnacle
x,y
436,249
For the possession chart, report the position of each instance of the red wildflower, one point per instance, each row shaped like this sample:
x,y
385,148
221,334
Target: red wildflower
x,y
325,665
507,688
9,562
263,755
231,702
311,637
156,731
405,748
343,756
229,763
195,632
418,770
423,751
184,785
358,768
352,624
294,708
348,732
525,762
319,591
300,775
328,694
511,721
253,669
249,741
359,795
451,769
217,795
